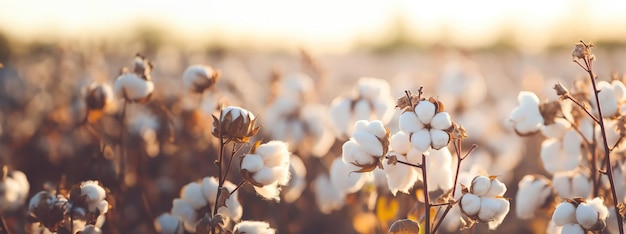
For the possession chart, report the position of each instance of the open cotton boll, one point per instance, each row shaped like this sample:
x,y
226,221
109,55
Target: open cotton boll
x,y
564,213
183,210
253,227
269,191
533,192
264,176
470,204
377,128
252,162
526,118
327,196
488,208
439,161
400,142
441,121
608,99
167,223
555,158
209,188
598,205
361,125
132,87
343,179
193,195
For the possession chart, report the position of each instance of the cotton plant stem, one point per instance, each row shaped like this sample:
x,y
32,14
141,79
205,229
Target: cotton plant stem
x,y
219,170
122,145
407,163
607,151
426,196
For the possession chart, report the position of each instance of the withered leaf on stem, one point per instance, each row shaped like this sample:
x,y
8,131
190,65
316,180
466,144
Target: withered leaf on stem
x,y
404,226
224,195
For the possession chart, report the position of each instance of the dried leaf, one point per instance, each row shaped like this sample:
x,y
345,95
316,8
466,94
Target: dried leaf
x,y
404,226
224,195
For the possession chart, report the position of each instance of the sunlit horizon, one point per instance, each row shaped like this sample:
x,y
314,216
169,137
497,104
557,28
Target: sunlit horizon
x,y
325,25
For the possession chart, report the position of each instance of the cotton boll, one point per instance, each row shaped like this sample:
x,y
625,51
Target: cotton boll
x,y
343,179
572,228
340,116
253,227
421,140
581,185
598,205
274,153
562,185
193,195
400,142
168,224
327,197
252,163
470,204
564,213
533,193
441,121
264,176
439,161
586,215
408,122
526,118
270,191
488,209
480,185
182,209
132,87
384,107
346,151
368,143
425,111
439,138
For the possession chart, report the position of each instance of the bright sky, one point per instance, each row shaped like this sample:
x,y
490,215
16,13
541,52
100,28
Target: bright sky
x,y
332,24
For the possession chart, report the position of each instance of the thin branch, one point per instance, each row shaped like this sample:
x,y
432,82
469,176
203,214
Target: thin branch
x,y
406,163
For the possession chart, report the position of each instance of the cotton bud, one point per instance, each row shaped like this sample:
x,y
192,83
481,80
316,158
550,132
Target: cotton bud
x,y
535,192
98,96
526,118
168,224
267,167
253,227
198,78
235,124
135,86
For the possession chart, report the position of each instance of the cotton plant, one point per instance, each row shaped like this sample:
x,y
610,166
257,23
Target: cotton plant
x,y
583,132
293,117
370,100
484,201
81,209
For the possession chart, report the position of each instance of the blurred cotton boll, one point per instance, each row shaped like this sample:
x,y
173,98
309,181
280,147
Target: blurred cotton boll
x,y
253,227
327,196
198,78
136,85
572,184
267,168
399,177
526,119
343,178
534,192
371,100
561,154
15,188
298,182
439,164
460,87
167,223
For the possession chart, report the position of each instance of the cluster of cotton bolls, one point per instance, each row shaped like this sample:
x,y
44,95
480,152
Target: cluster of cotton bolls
x,y
484,201
83,210
14,189
196,200
294,118
579,216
